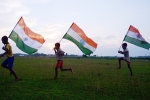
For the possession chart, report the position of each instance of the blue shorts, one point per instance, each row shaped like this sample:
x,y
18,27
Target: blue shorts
x,y
9,62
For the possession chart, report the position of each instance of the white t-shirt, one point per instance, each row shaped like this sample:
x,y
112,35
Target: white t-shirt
x,y
59,54
126,55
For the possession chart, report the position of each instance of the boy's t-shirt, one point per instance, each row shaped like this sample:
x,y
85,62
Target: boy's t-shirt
x,y
9,54
126,55
59,54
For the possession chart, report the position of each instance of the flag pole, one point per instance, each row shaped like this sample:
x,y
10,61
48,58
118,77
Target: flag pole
x,y
61,38
124,38
120,45
122,41
15,26
66,32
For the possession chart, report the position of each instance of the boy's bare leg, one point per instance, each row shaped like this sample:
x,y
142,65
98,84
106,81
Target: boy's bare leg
x,y
119,60
13,72
56,73
5,66
70,69
128,63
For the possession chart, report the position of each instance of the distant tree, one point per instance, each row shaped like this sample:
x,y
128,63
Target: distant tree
x,y
84,56
94,55
66,54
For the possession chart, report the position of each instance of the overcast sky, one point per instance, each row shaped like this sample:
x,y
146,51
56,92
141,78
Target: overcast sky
x,y
104,21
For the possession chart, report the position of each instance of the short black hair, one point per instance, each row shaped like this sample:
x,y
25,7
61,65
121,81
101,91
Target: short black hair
x,y
57,44
124,44
4,38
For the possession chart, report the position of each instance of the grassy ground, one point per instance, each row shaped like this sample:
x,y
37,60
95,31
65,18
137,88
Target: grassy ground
x,y
93,79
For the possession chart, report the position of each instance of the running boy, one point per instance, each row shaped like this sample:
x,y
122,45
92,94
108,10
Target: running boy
x,y
126,57
59,54
8,63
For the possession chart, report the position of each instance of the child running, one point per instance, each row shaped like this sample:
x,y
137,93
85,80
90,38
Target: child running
x,y
126,57
59,54
8,63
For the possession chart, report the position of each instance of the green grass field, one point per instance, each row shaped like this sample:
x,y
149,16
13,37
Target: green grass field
x,y
93,79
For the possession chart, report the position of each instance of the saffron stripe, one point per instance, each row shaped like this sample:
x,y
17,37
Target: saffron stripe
x,y
76,36
135,35
29,33
80,32
28,41
133,29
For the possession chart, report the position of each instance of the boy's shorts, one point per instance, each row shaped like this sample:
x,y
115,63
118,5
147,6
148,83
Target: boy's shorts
x,y
126,59
59,64
9,61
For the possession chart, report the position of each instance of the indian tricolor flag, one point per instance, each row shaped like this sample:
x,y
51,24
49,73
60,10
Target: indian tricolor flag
x,y
26,40
77,36
133,36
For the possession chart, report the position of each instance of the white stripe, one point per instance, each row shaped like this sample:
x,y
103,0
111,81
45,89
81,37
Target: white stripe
x,y
135,35
74,35
28,41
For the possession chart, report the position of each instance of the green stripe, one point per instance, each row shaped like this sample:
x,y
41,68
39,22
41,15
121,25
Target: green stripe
x,y
20,44
137,42
83,49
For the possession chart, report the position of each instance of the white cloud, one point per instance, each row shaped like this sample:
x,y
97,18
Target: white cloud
x,y
10,12
43,17
52,31
12,8
42,1
30,22
7,6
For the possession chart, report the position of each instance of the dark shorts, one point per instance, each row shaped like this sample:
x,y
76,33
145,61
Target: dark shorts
x,y
9,62
59,64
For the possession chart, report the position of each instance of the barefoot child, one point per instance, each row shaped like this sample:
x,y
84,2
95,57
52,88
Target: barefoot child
x,y
126,57
59,54
8,63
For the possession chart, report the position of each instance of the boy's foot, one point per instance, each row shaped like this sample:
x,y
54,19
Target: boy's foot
x,y
119,67
55,78
71,70
16,79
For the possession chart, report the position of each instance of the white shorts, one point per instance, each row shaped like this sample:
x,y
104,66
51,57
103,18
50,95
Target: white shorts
x,y
127,59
